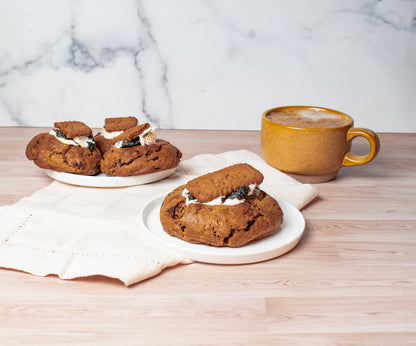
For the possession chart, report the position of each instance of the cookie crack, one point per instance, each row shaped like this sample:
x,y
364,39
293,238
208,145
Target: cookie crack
x,y
123,163
250,223
230,235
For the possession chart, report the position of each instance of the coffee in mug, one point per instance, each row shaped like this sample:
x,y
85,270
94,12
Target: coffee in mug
x,y
311,118
312,143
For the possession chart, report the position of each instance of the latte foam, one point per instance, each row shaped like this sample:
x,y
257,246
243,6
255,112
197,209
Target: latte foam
x,y
308,118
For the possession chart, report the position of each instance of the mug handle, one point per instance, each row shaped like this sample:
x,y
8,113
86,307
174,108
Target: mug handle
x,y
352,159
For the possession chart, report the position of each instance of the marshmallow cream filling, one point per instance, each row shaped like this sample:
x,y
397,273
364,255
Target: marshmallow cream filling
x,y
233,199
110,135
82,141
145,138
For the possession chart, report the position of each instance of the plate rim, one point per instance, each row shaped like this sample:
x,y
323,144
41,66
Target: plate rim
x,y
226,255
102,180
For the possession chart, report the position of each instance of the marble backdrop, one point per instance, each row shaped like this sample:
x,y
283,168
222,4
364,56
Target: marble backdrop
x,y
206,64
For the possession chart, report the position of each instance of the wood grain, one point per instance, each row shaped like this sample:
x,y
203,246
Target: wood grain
x,y
351,279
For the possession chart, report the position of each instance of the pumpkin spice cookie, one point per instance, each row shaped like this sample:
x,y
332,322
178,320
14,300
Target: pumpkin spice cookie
x,y
69,147
137,151
113,127
234,210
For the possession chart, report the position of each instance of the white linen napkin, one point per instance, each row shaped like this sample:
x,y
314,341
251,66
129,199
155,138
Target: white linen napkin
x,y
74,231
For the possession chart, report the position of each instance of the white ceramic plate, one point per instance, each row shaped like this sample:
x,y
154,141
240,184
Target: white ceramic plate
x,y
276,245
102,180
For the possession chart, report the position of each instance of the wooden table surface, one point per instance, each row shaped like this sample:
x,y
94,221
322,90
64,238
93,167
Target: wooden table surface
x,y
351,279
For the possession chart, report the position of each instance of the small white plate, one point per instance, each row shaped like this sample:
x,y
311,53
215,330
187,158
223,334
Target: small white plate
x,y
102,180
273,246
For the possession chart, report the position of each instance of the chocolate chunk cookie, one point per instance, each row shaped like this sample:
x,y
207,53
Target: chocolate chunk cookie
x,y
140,159
69,147
231,219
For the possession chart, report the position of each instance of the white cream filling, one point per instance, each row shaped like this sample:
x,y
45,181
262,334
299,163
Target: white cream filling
x,y
82,141
110,135
220,200
146,137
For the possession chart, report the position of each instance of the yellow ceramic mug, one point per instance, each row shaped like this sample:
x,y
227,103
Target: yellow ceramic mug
x,y
312,143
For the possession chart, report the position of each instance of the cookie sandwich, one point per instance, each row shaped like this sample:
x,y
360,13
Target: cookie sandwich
x,y
222,208
113,127
68,147
137,151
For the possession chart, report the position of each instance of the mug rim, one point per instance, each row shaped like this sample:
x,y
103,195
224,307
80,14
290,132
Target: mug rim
x,y
350,122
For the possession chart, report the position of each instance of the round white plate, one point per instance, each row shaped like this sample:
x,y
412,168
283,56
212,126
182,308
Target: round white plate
x,y
102,180
273,246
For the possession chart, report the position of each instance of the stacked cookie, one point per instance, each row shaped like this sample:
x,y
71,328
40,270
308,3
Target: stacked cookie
x,y
69,147
123,148
222,208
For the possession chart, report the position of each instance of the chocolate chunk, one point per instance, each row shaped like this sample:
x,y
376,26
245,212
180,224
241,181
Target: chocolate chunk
x,y
60,134
132,143
240,193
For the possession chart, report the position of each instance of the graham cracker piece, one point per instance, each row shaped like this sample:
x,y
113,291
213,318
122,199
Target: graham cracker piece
x,y
119,123
133,132
72,129
223,182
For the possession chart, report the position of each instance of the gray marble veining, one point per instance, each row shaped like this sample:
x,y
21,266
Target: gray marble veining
x,y
206,64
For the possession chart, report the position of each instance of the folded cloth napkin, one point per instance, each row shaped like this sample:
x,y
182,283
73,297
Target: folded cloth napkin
x,y
74,231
